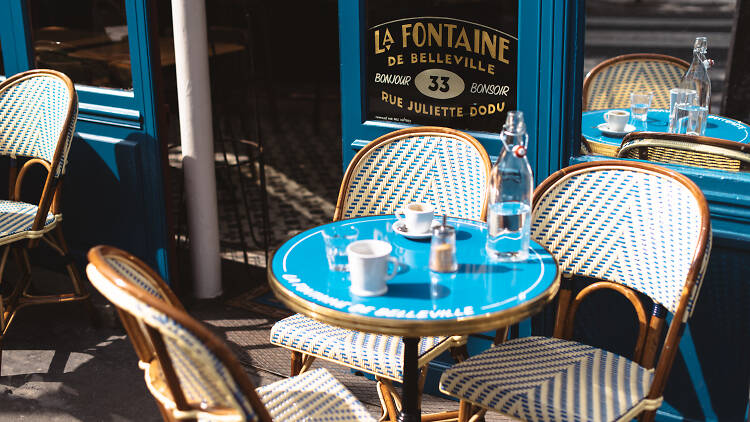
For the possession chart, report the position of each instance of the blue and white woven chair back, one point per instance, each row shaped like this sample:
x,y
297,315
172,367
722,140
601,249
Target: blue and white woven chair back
x,y
38,110
204,379
446,168
626,224
610,83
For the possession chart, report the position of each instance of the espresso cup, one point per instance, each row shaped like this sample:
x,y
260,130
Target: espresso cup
x,y
416,216
368,267
617,119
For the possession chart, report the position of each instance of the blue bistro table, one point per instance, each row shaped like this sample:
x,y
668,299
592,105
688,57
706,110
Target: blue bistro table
x,y
657,121
482,295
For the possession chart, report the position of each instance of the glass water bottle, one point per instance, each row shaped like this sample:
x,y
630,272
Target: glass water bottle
x,y
689,102
509,202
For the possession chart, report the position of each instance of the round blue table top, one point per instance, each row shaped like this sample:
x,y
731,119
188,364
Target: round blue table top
x,y
482,295
658,121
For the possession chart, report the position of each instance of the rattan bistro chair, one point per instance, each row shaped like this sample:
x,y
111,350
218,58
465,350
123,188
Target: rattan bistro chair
x,y
441,166
636,228
190,372
38,111
609,84
689,150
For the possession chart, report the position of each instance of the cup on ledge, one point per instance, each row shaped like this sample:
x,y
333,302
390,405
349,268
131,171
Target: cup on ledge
x,y
617,119
337,238
417,217
639,105
368,267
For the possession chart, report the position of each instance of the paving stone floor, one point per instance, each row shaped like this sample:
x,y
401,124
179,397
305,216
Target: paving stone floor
x,y
57,367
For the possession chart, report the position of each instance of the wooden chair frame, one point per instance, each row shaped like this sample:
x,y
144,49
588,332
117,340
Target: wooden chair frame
x,y
149,344
389,397
686,148
650,328
649,332
49,201
625,58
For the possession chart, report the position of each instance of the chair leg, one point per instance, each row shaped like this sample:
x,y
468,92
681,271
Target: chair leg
x,y
647,416
76,279
307,361
459,353
2,331
6,312
300,363
387,404
390,401
165,414
296,366
464,411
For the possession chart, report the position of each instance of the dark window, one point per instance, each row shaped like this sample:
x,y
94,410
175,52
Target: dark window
x,y
87,40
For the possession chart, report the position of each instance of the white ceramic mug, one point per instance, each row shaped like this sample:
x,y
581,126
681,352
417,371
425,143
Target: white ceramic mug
x,y
417,217
368,266
617,119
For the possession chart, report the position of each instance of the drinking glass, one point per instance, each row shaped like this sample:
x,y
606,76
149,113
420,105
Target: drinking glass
x,y
336,239
691,119
639,105
679,96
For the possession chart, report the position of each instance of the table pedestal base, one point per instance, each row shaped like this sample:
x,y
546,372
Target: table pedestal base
x,y
411,411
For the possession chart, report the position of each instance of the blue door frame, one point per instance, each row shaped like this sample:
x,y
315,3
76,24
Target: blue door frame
x,y
711,376
113,191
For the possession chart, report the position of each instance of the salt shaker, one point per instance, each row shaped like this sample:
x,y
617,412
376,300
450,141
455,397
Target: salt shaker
x,y
443,249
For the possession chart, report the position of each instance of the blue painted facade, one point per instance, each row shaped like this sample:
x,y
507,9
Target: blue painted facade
x,y
113,192
710,379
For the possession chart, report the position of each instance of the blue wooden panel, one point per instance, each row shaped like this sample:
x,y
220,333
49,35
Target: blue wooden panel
x,y
15,38
103,196
113,192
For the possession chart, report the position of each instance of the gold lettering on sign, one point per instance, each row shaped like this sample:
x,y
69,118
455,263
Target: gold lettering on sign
x,y
391,99
387,41
445,35
440,58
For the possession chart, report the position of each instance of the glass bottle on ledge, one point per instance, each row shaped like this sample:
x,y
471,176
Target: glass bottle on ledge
x,y
509,202
689,102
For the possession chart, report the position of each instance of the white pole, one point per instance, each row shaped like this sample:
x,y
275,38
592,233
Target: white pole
x,y
194,99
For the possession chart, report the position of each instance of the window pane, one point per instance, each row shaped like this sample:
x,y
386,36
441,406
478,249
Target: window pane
x,y
87,40
614,30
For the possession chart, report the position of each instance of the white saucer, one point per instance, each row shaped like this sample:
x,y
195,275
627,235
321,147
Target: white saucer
x,y
604,127
400,228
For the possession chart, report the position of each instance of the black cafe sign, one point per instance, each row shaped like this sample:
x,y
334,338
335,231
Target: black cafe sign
x,y
441,71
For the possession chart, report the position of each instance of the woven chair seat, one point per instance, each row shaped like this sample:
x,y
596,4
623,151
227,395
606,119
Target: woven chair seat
x,y
312,396
377,354
546,379
16,219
